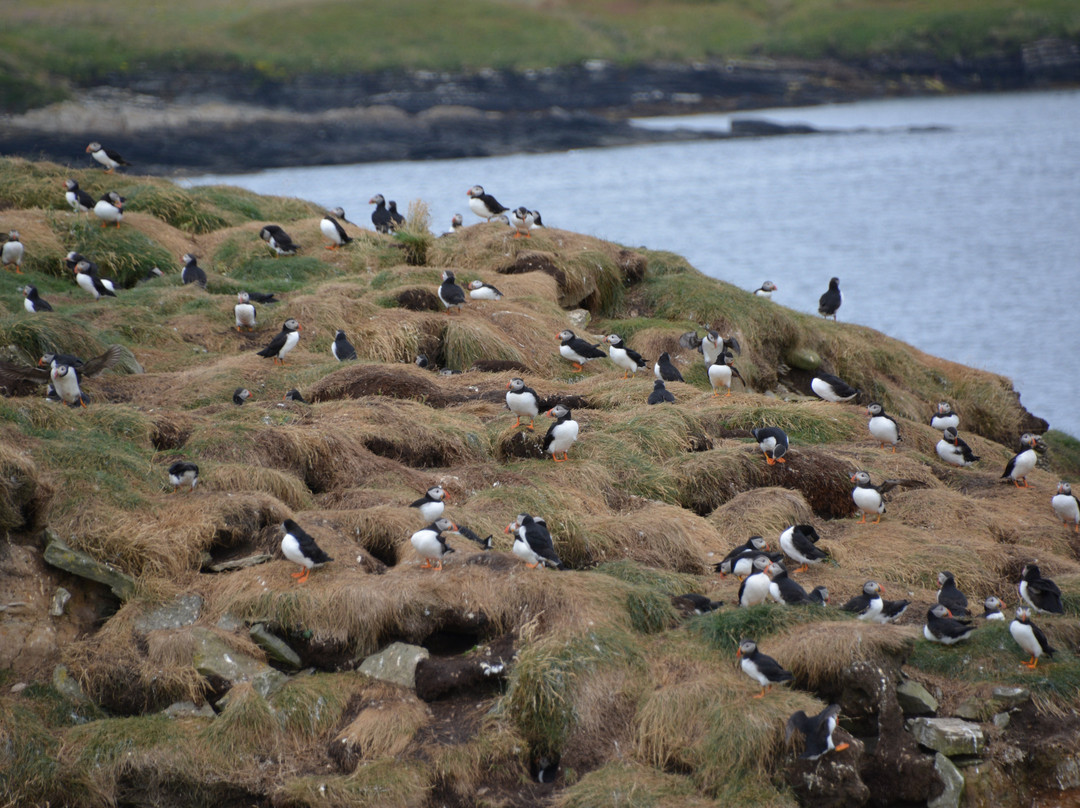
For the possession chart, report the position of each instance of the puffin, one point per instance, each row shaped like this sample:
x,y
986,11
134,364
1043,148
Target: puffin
x,y
800,543
747,564
522,400
12,252
87,278
192,272
80,201
818,731
892,610
1030,638
331,228
522,220
869,604
953,450
832,388
395,217
629,360
430,543
183,473
883,428
665,371
300,548
72,259
1064,501
1020,465
484,204
773,442
756,587
577,350
451,295
870,498
1040,593
294,395
240,395
284,342
765,290
660,394
107,157
763,669
457,221
942,627
829,303
432,504
244,311
533,544
784,590
537,222
262,297
153,274
713,345
33,302
694,603
950,597
945,417
278,240
720,373
753,546
992,609
478,290
341,348
561,434
16,377
110,209
819,595
380,217
65,382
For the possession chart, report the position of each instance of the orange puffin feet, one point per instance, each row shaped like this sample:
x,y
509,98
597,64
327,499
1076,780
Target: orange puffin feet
x,y
841,747
426,565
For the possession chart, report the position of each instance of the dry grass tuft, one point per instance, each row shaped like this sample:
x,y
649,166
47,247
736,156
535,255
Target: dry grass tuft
x,y
761,512
387,721
820,654
658,535
24,494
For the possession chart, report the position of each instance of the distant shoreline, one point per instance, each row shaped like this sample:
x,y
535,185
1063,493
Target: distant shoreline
x,y
177,124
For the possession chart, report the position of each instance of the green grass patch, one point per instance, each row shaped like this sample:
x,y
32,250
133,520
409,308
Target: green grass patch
x,y
174,206
122,254
724,630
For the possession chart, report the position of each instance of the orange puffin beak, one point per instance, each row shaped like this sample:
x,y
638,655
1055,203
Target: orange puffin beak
x,y
738,653
87,149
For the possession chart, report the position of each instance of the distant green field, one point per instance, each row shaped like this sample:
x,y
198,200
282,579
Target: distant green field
x,y
46,43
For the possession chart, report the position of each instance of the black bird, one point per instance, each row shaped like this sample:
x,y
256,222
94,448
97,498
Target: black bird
x,y
451,295
532,542
107,157
1040,593
80,201
294,395
397,218
800,543
953,450
829,302
484,204
278,240
33,302
773,442
192,272
153,274
786,591
950,597
943,628
261,297
832,388
660,395
485,544
755,545
422,361
818,730
892,610
24,379
332,229
1030,637
183,473
867,605
693,603
284,342
341,348
577,350
819,595
764,669
665,370
240,395
300,548
380,217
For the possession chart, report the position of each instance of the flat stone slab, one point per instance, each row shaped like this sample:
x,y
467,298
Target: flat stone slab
x,y
238,563
1010,696
914,699
59,555
949,736
954,784
276,648
183,611
213,657
188,709
396,663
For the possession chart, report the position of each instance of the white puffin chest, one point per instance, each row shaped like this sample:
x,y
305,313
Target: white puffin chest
x,y
950,453
290,343
569,353
869,500
751,669
1024,463
720,375
426,543
12,252
430,511
563,436
756,589
107,211
1065,507
524,403
620,358
884,429
245,314
522,549
86,283
330,231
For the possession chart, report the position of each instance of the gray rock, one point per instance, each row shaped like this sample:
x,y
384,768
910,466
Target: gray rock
x,y
59,600
59,555
915,699
1001,720
954,784
183,611
213,657
229,622
1067,773
950,736
975,709
803,358
66,685
396,663
579,318
1010,696
186,709
275,647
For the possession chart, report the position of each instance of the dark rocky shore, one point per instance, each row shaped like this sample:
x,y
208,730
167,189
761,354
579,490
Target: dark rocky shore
x,y
222,122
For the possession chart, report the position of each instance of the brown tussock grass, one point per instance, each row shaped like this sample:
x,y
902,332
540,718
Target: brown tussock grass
x,y
656,535
388,720
762,512
819,654
25,493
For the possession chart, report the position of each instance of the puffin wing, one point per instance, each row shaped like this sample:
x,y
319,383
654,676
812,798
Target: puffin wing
x,y
635,356
1044,643
585,349
12,374
452,294
276,344
310,549
771,669
99,364
114,156
469,534
539,541
805,545
857,604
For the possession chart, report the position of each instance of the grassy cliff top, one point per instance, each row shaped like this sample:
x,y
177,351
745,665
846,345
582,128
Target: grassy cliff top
x,y
43,45
607,676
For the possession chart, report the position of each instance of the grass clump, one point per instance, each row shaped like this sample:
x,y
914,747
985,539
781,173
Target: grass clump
x,y
724,630
122,254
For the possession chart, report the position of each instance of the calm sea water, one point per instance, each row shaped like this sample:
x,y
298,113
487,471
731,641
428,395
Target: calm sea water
x,y
952,223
